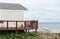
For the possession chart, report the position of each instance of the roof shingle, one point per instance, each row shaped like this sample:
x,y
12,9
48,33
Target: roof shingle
x,y
12,6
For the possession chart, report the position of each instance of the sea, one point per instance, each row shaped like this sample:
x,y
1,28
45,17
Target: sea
x,y
53,27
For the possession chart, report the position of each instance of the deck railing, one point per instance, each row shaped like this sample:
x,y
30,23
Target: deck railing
x,y
24,25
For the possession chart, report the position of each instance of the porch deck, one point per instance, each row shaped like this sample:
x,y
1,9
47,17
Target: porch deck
x,y
19,25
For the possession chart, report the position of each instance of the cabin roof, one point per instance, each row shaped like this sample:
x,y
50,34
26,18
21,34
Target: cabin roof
x,y
12,6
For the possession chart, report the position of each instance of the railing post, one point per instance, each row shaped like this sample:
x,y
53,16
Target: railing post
x,y
25,23
25,26
36,26
7,25
16,27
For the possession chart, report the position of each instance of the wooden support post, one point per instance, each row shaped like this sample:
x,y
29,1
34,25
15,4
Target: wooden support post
x,y
28,30
36,30
16,32
25,30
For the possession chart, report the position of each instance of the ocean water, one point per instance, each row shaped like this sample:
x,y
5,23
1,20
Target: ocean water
x,y
53,26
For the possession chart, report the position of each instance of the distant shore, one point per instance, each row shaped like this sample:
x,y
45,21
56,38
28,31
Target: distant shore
x,y
54,26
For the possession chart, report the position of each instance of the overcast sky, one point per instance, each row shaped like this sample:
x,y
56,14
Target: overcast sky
x,y
42,10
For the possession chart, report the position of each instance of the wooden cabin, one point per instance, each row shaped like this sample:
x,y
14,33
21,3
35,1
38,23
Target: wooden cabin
x,y
12,11
12,18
